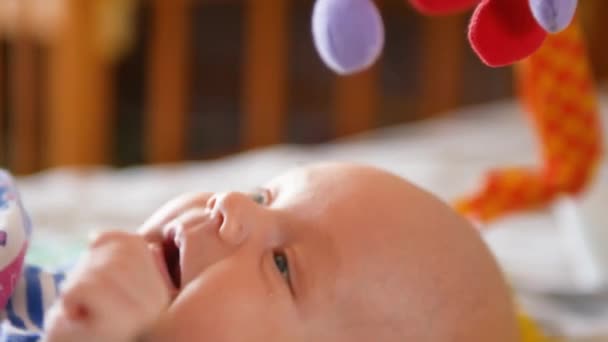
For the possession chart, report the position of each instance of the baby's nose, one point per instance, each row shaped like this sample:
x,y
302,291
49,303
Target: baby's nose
x,y
238,213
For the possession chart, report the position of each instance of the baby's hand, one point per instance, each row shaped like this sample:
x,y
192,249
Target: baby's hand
x,y
153,227
116,292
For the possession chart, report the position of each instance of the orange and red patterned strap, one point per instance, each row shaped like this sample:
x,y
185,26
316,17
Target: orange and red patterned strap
x,y
557,89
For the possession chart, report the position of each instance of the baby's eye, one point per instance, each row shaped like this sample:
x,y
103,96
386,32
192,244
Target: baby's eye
x,y
261,196
280,260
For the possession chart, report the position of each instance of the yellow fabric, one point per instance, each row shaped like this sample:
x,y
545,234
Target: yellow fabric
x,y
530,332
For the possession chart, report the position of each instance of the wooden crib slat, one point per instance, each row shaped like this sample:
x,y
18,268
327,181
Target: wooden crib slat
x,y
168,84
23,122
443,56
593,18
79,118
356,102
265,73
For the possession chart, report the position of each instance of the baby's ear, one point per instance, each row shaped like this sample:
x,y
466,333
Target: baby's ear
x,y
348,34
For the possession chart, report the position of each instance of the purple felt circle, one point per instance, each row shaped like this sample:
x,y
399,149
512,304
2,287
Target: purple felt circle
x,y
553,15
348,34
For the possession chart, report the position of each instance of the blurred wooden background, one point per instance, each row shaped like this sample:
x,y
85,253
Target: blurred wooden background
x,y
123,82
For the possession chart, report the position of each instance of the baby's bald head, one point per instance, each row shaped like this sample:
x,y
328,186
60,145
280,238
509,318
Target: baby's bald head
x,y
332,253
409,268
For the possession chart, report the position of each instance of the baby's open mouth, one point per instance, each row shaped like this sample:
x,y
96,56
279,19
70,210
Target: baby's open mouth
x,y
172,259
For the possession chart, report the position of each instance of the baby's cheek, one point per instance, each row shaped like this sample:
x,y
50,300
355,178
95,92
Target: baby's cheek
x,y
220,308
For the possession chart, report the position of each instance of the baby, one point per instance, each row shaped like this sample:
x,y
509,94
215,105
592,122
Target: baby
x,y
329,252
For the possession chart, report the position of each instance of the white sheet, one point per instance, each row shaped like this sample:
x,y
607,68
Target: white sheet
x,y
447,156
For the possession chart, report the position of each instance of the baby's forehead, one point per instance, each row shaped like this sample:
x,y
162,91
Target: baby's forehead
x,y
328,176
341,192
362,213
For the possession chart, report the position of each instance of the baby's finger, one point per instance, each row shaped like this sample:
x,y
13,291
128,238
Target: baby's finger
x,y
128,263
151,229
189,218
97,305
81,299
59,327
137,278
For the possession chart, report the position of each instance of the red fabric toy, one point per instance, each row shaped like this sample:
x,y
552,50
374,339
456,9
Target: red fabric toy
x,y
501,31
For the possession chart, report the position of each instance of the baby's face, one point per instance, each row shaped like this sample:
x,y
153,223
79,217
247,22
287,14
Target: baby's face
x,y
332,253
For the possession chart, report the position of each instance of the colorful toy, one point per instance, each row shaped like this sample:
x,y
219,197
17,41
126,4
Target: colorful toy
x,y
543,39
557,89
349,35
555,15
15,231
26,291
503,32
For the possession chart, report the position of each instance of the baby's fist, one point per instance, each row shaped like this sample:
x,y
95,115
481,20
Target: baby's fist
x,y
115,293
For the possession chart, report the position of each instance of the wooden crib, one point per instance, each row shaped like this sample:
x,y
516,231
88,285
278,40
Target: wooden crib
x,y
57,96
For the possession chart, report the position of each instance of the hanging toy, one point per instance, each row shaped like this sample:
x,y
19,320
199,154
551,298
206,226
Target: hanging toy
x,y
348,34
503,32
557,88
556,85
553,15
554,81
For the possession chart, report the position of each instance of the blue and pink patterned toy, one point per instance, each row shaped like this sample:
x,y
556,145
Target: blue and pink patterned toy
x,y
15,232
